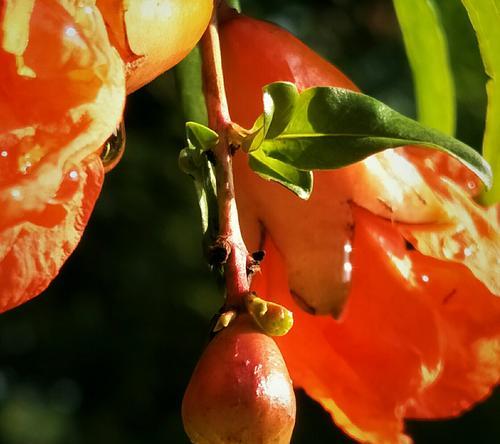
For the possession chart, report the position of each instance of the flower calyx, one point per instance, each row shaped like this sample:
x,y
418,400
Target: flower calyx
x,y
272,318
224,319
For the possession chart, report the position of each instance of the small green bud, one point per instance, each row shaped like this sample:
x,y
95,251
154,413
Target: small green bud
x,y
189,161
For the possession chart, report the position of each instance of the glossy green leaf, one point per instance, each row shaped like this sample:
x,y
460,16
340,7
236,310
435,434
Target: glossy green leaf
x,y
334,127
485,18
279,104
193,161
200,136
427,50
300,182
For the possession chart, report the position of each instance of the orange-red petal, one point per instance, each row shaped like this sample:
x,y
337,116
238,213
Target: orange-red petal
x,y
32,254
399,348
62,91
61,110
469,234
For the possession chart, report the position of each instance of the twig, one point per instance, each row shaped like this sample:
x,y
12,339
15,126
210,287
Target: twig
x,y
235,266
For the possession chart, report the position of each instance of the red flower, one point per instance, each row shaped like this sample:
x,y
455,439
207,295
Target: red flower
x,y
62,91
415,271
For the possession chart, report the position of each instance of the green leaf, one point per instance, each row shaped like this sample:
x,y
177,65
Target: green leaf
x,y
300,182
234,4
207,200
427,50
194,162
206,191
201,137
279,103
193,159
485,18
334,127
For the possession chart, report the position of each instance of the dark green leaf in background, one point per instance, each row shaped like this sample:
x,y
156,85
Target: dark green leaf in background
x,y
427,51
190,87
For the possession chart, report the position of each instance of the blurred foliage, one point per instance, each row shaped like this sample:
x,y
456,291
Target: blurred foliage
x,y
104,355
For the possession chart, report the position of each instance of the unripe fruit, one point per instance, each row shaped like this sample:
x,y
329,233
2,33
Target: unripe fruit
x,y
240,391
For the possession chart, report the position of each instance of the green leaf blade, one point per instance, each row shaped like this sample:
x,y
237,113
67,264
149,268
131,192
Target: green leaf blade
x,y
200,136
297,181
485,18
427,51
193,161
279,100
334,127
279,105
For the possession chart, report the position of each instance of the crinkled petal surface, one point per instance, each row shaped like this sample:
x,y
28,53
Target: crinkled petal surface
x,y
410,343
469,235
62,91
35,253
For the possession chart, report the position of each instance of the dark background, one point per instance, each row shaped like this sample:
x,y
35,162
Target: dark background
x,y
104,355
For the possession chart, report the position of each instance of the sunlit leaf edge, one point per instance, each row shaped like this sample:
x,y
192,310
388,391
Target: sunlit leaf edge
x,y
379,128
280,172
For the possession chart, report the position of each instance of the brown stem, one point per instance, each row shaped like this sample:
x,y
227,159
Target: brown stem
x,y
235,268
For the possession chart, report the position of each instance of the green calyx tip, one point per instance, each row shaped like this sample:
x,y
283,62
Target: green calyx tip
x,y
224,320
272,318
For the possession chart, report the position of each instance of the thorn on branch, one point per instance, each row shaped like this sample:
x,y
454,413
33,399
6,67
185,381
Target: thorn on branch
x,y
253,262
219,252
233,148
258,255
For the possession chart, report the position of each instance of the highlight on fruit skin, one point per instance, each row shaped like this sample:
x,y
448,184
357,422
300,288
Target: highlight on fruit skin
x,y
152,36
240,390
419,334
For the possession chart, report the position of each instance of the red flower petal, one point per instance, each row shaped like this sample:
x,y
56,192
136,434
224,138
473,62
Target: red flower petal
x,y
405,346
32,254
62,90
468,234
